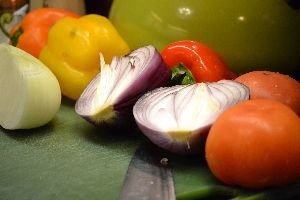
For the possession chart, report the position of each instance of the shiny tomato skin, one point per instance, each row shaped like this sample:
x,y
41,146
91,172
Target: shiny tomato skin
x,y
204,63
274,86
255,144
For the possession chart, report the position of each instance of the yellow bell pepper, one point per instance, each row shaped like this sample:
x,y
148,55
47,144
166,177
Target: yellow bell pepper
x,y
73,48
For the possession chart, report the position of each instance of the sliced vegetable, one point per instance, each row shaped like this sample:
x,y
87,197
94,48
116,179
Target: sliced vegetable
x,y
30,93
111,94
274,86
177,118
255,144
204,64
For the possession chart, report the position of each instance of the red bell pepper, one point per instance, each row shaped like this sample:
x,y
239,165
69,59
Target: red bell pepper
x,y
204,64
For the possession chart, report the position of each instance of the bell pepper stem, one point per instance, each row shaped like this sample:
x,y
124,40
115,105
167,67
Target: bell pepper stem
x,y
15,37
5,18
181,75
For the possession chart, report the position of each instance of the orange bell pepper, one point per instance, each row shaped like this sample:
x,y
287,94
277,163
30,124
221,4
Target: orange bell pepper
x,y
31,34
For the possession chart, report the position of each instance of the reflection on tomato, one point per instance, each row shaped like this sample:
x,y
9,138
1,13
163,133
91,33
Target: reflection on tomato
x,y
255,144
247,34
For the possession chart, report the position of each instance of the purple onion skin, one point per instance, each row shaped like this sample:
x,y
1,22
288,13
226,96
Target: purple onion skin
x,y
156,75
195,143
123,124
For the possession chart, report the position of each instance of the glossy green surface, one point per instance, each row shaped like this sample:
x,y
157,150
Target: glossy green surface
x,y
71,159
67,159
247,34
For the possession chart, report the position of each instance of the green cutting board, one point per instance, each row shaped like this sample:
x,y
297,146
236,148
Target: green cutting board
x,y
71,159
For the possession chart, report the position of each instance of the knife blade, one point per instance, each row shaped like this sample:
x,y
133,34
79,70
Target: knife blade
x,y
149,176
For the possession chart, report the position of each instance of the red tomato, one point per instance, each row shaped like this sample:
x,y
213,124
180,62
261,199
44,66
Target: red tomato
x,y
203,62
274,86
255,144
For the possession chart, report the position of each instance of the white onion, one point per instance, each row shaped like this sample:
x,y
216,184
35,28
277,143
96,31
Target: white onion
x,y
30,93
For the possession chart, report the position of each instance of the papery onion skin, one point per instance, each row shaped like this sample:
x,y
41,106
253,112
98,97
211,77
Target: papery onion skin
x,y
118,112
157,75
183,140
31,94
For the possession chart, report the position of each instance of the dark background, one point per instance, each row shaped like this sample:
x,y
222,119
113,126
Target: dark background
x,y
98,6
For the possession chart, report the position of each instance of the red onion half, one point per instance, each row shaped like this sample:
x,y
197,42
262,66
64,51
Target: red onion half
x,y
112,93
178,118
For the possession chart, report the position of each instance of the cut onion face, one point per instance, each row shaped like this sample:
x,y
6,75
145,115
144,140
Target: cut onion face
x,y
112,93
178,118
